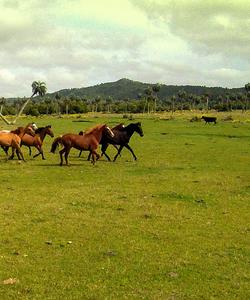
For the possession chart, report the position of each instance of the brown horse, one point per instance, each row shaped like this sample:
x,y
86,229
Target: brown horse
x,y
37,140
13,139
89,141
120,126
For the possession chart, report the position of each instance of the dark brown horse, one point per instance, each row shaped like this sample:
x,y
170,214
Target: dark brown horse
x,y
89,141
37,140
13,139
122,135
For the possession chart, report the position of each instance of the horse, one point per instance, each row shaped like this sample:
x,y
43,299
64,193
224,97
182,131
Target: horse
x,y
89,141
37,140
122,135
6,149
13,139
117,127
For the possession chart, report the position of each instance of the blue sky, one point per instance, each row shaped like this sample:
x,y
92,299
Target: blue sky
x,y
76,43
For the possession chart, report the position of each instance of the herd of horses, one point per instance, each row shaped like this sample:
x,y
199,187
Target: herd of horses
x,y
31,136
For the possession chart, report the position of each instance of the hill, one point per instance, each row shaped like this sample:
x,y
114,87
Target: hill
x,y
129,89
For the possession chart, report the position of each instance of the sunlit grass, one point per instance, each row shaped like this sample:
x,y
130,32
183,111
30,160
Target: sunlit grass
x,y
173,225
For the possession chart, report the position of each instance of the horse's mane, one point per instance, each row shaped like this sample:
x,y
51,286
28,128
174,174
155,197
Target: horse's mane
x,y
119,127
38,130
92,129
16,131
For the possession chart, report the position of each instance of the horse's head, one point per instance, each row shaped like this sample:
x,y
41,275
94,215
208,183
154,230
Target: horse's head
x,y
49,131
33,125
28,130
108,132
138,128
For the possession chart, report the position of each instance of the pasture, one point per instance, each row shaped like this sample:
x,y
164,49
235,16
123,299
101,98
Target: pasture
x,y
172,225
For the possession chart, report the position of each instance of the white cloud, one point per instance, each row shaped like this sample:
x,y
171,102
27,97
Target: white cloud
x,y
74,43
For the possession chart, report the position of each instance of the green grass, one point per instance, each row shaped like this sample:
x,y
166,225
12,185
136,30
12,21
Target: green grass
x,y
173,225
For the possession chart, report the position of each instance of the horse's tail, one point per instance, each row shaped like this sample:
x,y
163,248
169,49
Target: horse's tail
x,y
55,144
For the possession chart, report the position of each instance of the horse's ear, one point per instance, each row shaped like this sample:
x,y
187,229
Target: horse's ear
x,y
49,126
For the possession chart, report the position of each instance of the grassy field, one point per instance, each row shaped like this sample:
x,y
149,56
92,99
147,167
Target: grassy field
x,y
172,225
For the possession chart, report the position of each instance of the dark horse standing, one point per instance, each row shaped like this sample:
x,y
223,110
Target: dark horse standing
x,y
89,141
121,137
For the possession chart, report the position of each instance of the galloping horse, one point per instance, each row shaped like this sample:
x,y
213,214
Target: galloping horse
x,y
37,140
6,149
89,141
13,139
117,127
122,137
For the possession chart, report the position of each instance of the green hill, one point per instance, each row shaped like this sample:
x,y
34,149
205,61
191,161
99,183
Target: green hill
x,y
129,89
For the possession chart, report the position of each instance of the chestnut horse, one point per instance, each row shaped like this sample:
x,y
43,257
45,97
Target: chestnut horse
x,y
6,149
13,139
117,127
37,140
89,141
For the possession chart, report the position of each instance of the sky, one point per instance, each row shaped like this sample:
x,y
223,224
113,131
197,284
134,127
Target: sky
x,y
79,43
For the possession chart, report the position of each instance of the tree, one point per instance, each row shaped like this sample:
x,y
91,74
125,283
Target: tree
x,y
38,88
156,88
247,88
2,103
173,99
182,96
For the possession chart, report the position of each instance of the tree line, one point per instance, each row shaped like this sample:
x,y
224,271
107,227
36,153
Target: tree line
x,y
146,102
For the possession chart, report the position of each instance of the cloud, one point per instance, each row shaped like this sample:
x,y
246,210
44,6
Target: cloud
x,y
208,26
72,43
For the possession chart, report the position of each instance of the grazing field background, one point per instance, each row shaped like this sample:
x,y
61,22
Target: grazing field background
x,y
172,225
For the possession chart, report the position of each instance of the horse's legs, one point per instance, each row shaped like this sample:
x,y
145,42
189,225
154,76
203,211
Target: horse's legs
x,y
61,155
19,153
39,148
116,147
5,149
66,155
103,149
80,153
12,154
89,156
130,149
118,153
29,150
95,156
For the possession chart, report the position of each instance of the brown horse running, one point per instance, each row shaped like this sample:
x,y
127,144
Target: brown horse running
x,y
117,127
89,141
13,139
37,140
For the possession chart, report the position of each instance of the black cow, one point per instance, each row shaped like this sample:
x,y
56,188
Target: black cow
x,y
209,119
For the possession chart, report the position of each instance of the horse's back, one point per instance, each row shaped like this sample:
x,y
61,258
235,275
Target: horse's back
x,y
80,142
7,139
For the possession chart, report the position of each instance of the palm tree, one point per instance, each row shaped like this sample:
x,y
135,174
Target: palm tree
x,y
38,88
2,103
182,96
173,99
156,88
247,88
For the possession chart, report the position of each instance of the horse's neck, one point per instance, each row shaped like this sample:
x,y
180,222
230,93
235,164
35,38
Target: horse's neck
x,y
98,133
130,130
21,133
42,134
